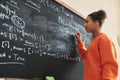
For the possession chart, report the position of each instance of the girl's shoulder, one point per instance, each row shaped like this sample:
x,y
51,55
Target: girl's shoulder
x,y
104,38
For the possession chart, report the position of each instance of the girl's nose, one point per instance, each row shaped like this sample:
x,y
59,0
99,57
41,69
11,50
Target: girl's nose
x,y
85,25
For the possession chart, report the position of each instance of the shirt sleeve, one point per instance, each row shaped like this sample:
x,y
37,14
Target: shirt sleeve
x,y
108,60
82,50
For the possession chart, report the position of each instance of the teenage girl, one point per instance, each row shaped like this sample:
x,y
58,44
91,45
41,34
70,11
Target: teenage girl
x,y
100,57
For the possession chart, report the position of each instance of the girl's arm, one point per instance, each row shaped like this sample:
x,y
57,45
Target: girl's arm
x,y
108,60
81,47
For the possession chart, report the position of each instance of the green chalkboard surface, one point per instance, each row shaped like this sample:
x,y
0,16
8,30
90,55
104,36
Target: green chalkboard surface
x,y
37,39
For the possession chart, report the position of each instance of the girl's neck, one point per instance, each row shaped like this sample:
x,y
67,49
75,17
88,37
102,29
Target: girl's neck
x,y
96,33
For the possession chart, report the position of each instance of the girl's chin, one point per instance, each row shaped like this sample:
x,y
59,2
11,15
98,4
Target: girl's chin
x,y
88,31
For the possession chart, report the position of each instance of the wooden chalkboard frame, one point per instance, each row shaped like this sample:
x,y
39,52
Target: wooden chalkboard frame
x,y
70,8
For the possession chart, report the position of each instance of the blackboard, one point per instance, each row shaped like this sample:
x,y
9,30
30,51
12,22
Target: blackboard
x,y
37,39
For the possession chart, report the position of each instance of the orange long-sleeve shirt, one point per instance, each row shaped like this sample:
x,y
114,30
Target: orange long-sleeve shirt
x,y
100,59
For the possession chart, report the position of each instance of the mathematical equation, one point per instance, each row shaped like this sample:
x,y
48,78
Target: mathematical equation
x,y
17,42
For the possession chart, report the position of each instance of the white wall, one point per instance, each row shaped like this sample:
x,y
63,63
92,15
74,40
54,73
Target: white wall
x,y
112,24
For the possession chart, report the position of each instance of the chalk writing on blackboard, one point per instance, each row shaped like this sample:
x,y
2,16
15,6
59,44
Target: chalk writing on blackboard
x,y
38,36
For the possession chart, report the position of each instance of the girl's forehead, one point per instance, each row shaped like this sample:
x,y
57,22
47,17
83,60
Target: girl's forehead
x,y
88,18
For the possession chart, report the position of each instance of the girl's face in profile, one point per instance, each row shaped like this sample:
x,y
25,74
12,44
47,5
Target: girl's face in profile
x,y
90,25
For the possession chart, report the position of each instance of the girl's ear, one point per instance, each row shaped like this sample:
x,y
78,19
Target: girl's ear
x,y
97,22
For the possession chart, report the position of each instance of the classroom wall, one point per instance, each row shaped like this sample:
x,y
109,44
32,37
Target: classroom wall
x,y
112,24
